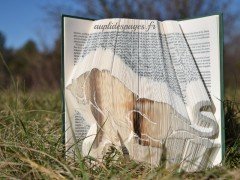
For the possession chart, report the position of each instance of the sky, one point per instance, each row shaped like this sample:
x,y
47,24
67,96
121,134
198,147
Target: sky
x,y
22,20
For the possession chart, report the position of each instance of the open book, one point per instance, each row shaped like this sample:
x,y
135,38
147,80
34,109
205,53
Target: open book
x,y
153,87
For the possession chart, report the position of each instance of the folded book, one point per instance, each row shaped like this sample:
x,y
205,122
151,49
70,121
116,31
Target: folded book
x,y
153,87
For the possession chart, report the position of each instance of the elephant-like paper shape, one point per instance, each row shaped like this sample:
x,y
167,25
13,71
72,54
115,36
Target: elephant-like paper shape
x,y
157,108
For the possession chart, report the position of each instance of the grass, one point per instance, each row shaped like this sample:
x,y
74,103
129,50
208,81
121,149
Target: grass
x,y
31,145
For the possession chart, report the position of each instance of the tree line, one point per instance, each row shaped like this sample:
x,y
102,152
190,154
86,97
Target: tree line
x,y
28,67
36,69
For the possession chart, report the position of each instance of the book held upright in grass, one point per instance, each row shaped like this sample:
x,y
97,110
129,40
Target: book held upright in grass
x,y
153,87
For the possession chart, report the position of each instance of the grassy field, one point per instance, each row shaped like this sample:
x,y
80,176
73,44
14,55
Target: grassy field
x,y
31,145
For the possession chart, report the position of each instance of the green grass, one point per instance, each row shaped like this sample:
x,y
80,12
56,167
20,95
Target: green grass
x,y
31,145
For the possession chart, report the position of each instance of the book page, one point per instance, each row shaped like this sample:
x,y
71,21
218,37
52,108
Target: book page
x,y
202,35
137,83
75,35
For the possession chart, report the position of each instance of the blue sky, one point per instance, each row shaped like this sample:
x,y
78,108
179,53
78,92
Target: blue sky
x,y
21,20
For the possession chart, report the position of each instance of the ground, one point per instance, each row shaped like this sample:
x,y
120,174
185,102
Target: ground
x,y
31,144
